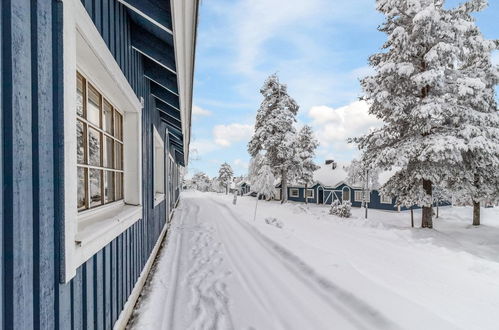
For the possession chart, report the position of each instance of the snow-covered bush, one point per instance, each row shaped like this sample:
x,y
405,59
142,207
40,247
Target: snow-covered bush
x,y
341,210
273,222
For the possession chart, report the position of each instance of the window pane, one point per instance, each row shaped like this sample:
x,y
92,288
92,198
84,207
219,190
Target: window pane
x,y
108,186
95,187
107,115
80,96
108,152
118,125
82,188
119,185
94,147
119,155
81,134
93,106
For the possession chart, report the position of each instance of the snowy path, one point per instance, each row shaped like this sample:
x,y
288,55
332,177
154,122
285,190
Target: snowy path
x,y
222,270
223,274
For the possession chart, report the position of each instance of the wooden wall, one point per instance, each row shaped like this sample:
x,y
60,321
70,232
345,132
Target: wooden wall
x,y
32,198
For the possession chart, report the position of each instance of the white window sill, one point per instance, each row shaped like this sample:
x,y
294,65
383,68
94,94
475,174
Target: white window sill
x,y
97,228
158,198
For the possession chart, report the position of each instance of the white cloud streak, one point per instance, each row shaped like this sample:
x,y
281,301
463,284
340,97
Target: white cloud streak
x,y
334,126
226,135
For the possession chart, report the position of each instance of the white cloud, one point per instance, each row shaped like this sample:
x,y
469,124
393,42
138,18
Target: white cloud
x,y
334,126
198,111
241,164
225,135
201,147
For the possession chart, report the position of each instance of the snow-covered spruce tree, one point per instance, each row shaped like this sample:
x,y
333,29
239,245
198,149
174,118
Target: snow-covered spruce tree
x,y
478,119
415,89
361,175
225,176
306,144
264,183
200,181
275,133
255,164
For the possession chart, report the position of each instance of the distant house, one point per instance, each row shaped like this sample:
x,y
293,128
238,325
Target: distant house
x,y
243,187
330,185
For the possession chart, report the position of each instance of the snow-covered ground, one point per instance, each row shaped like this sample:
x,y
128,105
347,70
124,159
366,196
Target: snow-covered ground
x,y
222,270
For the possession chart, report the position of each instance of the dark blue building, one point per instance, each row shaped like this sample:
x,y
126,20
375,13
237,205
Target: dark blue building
x,y
96,100
330,185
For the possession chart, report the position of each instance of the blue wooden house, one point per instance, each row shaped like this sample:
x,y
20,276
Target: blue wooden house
x,y
330,185
96,100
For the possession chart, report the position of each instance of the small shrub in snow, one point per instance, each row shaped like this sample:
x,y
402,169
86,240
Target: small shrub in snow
x,y
273,222
341,210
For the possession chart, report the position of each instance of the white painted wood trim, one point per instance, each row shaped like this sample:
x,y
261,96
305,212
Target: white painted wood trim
x,y
78,28
145,16
184,15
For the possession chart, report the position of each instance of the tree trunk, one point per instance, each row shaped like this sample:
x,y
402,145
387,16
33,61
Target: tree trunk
x,y
438,203
476,213
284,187
412,217
227,189
426,220
306,193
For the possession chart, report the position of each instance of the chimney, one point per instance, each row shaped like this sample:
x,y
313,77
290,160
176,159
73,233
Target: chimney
x,y
332,163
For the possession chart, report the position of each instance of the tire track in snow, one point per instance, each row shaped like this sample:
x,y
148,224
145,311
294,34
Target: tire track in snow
x,y
356,312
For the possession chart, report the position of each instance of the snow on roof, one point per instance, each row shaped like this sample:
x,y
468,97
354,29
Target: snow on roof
x,y
328,177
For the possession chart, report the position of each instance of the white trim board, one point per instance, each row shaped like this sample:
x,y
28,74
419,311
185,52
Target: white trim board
x,y
84,50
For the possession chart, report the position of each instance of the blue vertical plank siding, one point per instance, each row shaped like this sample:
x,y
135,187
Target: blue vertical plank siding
x,y
32,175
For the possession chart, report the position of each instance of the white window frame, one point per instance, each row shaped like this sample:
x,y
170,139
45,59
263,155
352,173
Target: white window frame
x,y
385,199
358,196
292,191
313,193
87,232
159,168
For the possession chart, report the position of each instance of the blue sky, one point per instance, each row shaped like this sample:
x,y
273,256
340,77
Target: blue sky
x,y
319,49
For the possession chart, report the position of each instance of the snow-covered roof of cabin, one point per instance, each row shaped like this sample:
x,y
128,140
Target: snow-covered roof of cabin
x,y
328,177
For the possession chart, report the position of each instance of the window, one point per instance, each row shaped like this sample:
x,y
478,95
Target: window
x,y
310,193
99,130
346,194
159,168
386,200
102,144
359,196
294,192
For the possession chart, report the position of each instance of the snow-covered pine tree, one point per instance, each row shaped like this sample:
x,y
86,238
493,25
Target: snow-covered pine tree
x,y
225,176
306,144
478,120
360,175
414,91
255,164
200,181
275,133
264,183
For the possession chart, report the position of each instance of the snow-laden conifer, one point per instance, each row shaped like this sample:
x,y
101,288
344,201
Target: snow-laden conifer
x,y
255,164
306,144
275,133
264,183
225,176
361,175
422,77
